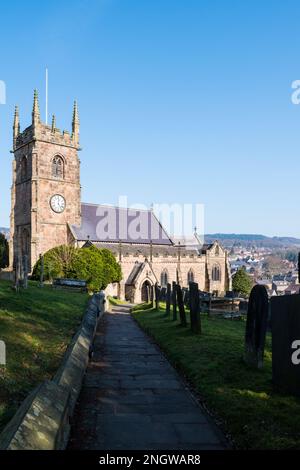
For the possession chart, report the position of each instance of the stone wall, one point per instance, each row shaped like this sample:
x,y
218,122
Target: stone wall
x,y
43,420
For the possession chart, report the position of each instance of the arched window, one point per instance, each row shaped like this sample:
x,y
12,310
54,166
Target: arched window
x,y
216,273
164,278
24,168
217,250
57,167
190,276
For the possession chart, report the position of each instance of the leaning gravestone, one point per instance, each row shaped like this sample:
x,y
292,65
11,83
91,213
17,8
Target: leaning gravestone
x,y
181,305
157,296
41,284
256,326
285,323
163,294
174,300
194,298
168,300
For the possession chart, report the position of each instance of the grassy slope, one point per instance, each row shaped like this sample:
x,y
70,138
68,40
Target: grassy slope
x,y
252,412
36,325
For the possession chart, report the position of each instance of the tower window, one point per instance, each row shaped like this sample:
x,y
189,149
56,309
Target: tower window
x,y
58,167
24,168
216,273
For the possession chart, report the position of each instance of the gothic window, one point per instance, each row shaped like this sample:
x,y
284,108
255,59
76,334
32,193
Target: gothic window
x,y
24,169
164,278
216,273
217,250
190,277
58,167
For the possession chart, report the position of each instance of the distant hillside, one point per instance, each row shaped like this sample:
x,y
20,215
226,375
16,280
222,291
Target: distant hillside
x,y
248,240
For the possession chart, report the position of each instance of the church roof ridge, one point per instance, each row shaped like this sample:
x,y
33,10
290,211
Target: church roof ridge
x,y
111,206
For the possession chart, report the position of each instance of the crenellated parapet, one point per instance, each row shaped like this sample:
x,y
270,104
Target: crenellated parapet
x,y
43,132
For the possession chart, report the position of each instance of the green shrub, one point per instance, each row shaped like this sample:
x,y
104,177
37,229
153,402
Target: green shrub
x,y
98,267
3,251
242,282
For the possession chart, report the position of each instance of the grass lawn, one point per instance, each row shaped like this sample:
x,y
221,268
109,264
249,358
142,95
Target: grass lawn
x,y
249,410
116,302
37,326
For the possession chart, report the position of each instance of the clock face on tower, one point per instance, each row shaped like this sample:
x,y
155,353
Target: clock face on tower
x,y
58,203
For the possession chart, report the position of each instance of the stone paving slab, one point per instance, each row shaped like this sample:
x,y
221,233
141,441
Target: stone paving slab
x,y
132,398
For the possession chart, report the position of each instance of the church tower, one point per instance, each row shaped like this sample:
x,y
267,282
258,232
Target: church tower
x,y
46,192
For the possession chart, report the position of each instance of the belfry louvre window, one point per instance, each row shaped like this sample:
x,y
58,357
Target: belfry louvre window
x,y
58,167
24,169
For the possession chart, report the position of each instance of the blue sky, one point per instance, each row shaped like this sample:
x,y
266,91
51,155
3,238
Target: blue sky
x,y
180,101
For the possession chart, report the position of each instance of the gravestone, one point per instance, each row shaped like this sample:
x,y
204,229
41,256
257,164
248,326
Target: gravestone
x,y
168,300
157,296
25,271
285,323
163,294
174,300
181,305
18,274
41,284
256,326
195,308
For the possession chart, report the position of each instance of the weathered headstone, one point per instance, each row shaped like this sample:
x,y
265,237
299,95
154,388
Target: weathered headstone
x,y
181,305
18,274
195,308
41,271
163,294
168,300
174,300
186,297
157,296
25,271
256,326
285,323
209,304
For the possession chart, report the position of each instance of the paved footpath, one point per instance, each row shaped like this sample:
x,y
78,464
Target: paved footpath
x,y
132,398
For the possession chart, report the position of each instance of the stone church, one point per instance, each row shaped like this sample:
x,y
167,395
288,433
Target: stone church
x,y
46,211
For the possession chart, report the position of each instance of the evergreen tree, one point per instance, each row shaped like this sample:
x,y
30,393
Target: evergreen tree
x,y
242,282
4,252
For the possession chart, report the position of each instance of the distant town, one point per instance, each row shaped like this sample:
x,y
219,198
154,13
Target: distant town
x,y
270,261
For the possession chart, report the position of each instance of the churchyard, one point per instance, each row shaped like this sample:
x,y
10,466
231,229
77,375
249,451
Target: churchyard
x,y
37,324
242,399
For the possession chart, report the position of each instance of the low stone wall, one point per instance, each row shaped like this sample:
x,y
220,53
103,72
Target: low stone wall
x,y
43,420
6,274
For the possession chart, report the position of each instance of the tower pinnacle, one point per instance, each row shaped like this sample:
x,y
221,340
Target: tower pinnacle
x,y
16,126
75,124
36,109
53,126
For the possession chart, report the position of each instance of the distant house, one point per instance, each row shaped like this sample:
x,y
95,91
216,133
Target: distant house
x,y
280,287
265,282
292,289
